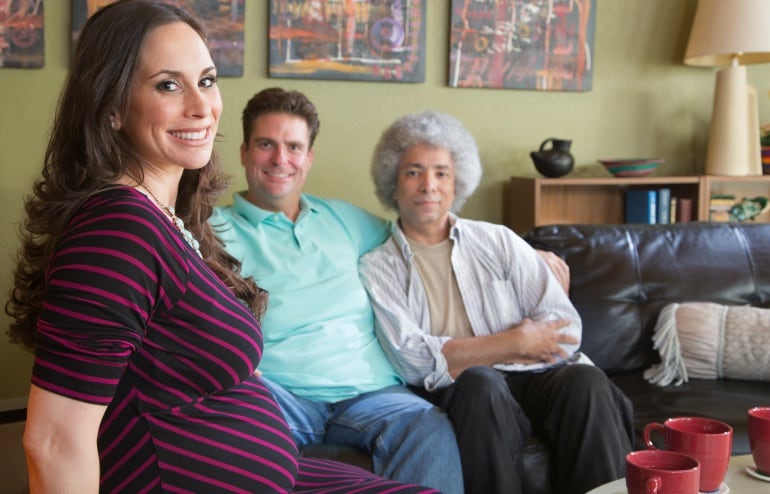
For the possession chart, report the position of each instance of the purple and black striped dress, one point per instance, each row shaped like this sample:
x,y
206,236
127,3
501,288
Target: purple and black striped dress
x,y
135,320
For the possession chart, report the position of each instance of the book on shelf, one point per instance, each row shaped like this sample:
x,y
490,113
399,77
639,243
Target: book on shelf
x,y
655,206
683,209
664,205
672,205
642,206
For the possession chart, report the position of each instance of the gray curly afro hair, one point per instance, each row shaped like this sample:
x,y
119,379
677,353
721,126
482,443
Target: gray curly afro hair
x,y
433,129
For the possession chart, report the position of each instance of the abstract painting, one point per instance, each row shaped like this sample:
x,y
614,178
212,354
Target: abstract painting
x,y
363,40
544,45
21,34
222,20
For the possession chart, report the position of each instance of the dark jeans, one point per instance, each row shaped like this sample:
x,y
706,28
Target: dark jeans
x,y
586,421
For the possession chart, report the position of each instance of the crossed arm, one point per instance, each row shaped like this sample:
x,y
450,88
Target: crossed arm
x,y
528,342
535,341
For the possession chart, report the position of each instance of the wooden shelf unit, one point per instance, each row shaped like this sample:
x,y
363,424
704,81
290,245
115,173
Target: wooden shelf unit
x,y
541,201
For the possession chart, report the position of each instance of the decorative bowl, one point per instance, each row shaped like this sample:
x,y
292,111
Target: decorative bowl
x,y
631,167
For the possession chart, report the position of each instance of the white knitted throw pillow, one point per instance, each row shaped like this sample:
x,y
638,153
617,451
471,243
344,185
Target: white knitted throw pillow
x,y
711,341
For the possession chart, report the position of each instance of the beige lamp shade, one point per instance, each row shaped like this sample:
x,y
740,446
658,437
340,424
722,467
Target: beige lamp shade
x,y
731,33
723,29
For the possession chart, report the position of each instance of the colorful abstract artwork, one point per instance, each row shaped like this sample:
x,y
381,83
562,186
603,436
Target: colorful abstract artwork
x,y
21,34
365,40
544,45
222,19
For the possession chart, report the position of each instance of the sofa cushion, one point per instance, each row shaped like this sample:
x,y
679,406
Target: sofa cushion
x,y
711,341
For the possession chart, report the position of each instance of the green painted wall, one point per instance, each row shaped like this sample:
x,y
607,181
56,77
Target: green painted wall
x,y
644,102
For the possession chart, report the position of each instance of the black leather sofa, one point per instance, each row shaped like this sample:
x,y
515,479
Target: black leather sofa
x,y
622,275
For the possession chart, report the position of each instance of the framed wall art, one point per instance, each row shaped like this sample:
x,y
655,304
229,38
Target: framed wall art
x,y
222,19
544,45
21,34
364,40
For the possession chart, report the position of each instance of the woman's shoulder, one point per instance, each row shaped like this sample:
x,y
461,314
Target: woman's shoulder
x,y
120,234
122,208
122,219
117,198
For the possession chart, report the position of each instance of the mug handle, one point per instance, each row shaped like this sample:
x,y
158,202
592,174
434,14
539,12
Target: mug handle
x,y
542,144
648,431
653,485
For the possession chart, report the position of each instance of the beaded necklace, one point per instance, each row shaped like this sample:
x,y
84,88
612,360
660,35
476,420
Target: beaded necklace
x,y
169,210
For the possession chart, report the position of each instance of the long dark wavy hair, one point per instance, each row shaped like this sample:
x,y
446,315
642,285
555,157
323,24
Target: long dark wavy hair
x,y
85,156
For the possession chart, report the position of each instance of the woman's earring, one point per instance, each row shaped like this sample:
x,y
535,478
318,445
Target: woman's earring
x,y
113,124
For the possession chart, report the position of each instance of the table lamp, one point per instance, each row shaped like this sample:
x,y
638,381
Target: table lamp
x,y
731,33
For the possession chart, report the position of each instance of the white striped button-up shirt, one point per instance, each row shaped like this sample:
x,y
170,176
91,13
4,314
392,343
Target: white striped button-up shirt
x,y
501,279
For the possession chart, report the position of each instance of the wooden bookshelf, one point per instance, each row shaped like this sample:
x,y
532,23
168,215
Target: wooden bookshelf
x,y
542,201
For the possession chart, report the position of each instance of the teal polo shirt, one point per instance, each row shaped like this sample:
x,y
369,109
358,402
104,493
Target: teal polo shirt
x,y
319,339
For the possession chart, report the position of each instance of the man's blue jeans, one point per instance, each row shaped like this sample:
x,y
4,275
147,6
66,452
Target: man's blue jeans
x,y
410,439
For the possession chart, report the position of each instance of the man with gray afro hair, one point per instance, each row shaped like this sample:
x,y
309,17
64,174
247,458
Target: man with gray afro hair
x,y
434,129
473,320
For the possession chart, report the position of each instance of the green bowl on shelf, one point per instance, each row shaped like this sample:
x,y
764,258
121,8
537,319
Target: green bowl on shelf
x,y
631,167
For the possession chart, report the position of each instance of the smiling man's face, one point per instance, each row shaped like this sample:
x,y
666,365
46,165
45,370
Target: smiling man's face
x,y
277,159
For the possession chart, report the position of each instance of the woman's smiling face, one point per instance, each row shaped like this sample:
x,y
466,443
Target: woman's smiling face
x,y
175,104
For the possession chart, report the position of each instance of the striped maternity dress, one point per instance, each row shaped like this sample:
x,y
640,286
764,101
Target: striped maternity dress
x,y
134,319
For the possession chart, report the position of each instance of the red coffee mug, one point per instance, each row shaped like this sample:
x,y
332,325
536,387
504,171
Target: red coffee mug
x,y
655,471
759,438
708,441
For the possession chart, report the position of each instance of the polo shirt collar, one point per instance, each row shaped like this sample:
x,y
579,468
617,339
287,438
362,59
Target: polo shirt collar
x,y
256,215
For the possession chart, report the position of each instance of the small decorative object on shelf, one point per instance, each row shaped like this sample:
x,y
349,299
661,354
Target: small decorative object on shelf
x,y
554,161
748,209
764,134
631,167
720,206
766,160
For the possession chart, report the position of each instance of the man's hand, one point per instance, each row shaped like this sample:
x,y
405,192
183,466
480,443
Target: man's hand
x,y
540,341
529,342
558,267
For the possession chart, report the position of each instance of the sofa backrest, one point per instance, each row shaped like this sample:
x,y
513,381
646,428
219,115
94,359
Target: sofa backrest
x,y
623,275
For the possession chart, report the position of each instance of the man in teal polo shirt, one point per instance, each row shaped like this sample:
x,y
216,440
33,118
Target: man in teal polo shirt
x,y
321,358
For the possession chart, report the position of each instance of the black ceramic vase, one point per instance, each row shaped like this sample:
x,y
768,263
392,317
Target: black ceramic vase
x,y
554,160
